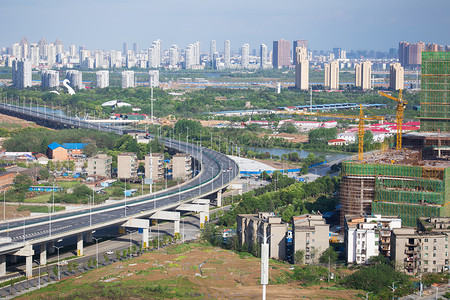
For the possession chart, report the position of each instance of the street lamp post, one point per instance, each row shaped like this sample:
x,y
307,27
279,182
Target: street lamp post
x,y
393,289
39,278
96,242
264,262
131,237
57,248
437,291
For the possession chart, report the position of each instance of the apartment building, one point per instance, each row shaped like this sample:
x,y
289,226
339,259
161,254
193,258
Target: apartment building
x,y
99,165
181,166
311,234
419,252
368,236
127,165
251,228
154,166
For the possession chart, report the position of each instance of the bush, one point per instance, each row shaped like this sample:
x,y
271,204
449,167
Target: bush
x,y
309,275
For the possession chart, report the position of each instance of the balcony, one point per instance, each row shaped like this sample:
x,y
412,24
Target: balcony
x,y
409,244
409,251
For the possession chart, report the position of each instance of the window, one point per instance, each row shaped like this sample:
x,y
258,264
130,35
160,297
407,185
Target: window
x,y
446,246
446,254
426,240
426,262
434,262
434,248
376,243
435,241
426,247
434,254
425,255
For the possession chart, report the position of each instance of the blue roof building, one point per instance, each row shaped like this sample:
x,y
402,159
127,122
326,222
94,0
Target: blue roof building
x,y
74,146
54,145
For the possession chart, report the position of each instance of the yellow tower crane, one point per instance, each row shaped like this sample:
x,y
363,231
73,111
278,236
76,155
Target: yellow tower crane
x,y
401,104
361,119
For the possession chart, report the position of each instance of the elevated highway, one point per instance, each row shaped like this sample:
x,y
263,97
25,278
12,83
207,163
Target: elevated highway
x,y
21,236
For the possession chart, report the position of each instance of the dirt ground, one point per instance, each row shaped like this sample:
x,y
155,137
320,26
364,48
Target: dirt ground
x,y
294,138
278,165
23,123
213,272
11,210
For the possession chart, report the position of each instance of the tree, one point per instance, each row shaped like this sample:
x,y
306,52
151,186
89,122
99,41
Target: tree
x,y
22,183
44,174
329,255
299,256
90,149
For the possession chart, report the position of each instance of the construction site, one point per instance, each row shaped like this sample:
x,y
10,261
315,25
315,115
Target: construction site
x,y
413,180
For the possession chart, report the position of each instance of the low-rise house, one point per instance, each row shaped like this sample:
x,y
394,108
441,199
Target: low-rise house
x,y
310,234
74,149
56,151
337,142
127,165
415,252
252,228
42,159
99,165
368,236
154,166
181,166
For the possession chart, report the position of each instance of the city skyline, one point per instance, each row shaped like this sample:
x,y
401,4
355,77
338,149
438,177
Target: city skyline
x,y
355,26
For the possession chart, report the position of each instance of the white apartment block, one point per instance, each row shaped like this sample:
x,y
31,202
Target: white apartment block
x,y
75,78
49,79
153,78
102,79
21,73
302,69
127,79
181,166
154,166
127,165
368,236
332,75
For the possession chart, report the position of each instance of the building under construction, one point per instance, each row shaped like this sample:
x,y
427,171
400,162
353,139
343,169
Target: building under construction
x,y
413,182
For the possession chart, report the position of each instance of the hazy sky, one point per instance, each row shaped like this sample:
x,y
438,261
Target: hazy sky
x,y
106,24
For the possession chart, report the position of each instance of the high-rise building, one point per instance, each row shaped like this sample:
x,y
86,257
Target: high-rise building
x,y
115,59
49,79
332,75
410,55
98,59
34,55
227,54
72,50
212,49
281,54
135,48
16,51
24,47
125,49
245,58
102,79
197,53
339,53
75,78
59,46
21,73
301,69
435,96
51,54
363,75
174,57
153,78
127,79
396,76
298,43
42,47
263,55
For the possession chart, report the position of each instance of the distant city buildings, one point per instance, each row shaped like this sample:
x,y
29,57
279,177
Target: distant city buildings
x,y
296,44
363,75
332,75
102,79
281,54
302,69
21,73
396,77
263,56
153,78
227,54
245,57
127,79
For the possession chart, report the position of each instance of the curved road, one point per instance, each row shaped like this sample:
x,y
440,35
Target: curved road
x,y
217,171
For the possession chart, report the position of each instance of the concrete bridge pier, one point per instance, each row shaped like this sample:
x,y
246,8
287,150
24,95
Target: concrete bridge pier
x,y
140,224
28,252
169,216
203,209
2,265
43,255
219,198
80,249
145,236
51,247
89,237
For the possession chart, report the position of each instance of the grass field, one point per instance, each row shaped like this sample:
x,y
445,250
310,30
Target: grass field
x,y
187,271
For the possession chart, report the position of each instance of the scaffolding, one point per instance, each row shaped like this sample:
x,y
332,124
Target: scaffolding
x,y
435,92
409,191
